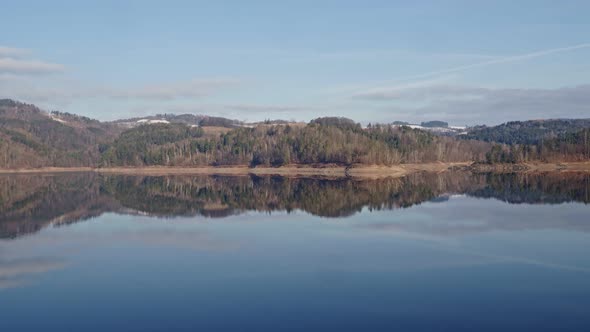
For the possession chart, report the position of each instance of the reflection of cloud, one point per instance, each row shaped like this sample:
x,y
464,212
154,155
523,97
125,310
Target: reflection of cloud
x,y
14,273
189,239
5,284
17,267
475,216
535,262
151,232
475,257
495,258
466,228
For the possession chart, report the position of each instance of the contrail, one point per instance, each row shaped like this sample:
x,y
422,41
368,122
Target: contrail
x,y
506,59
497,60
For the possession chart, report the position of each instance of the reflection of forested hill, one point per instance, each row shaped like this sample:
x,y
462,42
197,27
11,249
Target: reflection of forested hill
x,y
220,196
67,198
28,203
537,188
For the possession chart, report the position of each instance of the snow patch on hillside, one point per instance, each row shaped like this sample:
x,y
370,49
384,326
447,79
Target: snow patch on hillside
x,y
150,121
450,130
54,118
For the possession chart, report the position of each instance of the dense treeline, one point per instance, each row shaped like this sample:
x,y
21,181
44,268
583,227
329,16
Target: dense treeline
x,y
527,132
332,140
568,147
142,145
323,141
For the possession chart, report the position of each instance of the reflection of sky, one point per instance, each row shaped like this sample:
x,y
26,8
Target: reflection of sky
x,y
464,215
15,273
446,263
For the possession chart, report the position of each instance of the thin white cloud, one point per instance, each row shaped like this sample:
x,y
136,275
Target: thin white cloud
x,y
477,105
359,89
192,89
40,90
481,105
424,93
242,112
500,60
254,108
30,67
307,54
34,90
399,90
16,61
12,52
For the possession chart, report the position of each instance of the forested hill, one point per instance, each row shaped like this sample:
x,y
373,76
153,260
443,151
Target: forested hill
x,y
528,132
322,141
30,137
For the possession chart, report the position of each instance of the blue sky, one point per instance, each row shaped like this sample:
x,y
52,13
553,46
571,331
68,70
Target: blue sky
x,y
466,62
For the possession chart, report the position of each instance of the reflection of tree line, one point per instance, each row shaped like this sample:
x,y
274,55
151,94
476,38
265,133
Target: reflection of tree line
x,y
221,196
28,203
545,188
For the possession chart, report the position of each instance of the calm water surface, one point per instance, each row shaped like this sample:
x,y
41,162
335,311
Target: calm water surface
x,y
429,252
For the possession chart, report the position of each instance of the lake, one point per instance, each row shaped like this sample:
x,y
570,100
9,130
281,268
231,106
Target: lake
x,y
453,251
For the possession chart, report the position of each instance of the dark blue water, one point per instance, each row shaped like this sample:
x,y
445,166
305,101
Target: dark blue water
x,y
463,253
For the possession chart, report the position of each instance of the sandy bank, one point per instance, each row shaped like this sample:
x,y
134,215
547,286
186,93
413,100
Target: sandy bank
x,y
533,167
365,171
290,170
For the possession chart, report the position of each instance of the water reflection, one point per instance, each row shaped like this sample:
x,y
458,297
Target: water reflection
x,y
29,203
465,254
15,273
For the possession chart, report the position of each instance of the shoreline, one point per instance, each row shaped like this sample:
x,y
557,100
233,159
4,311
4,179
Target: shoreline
x,y
363,171
582,166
